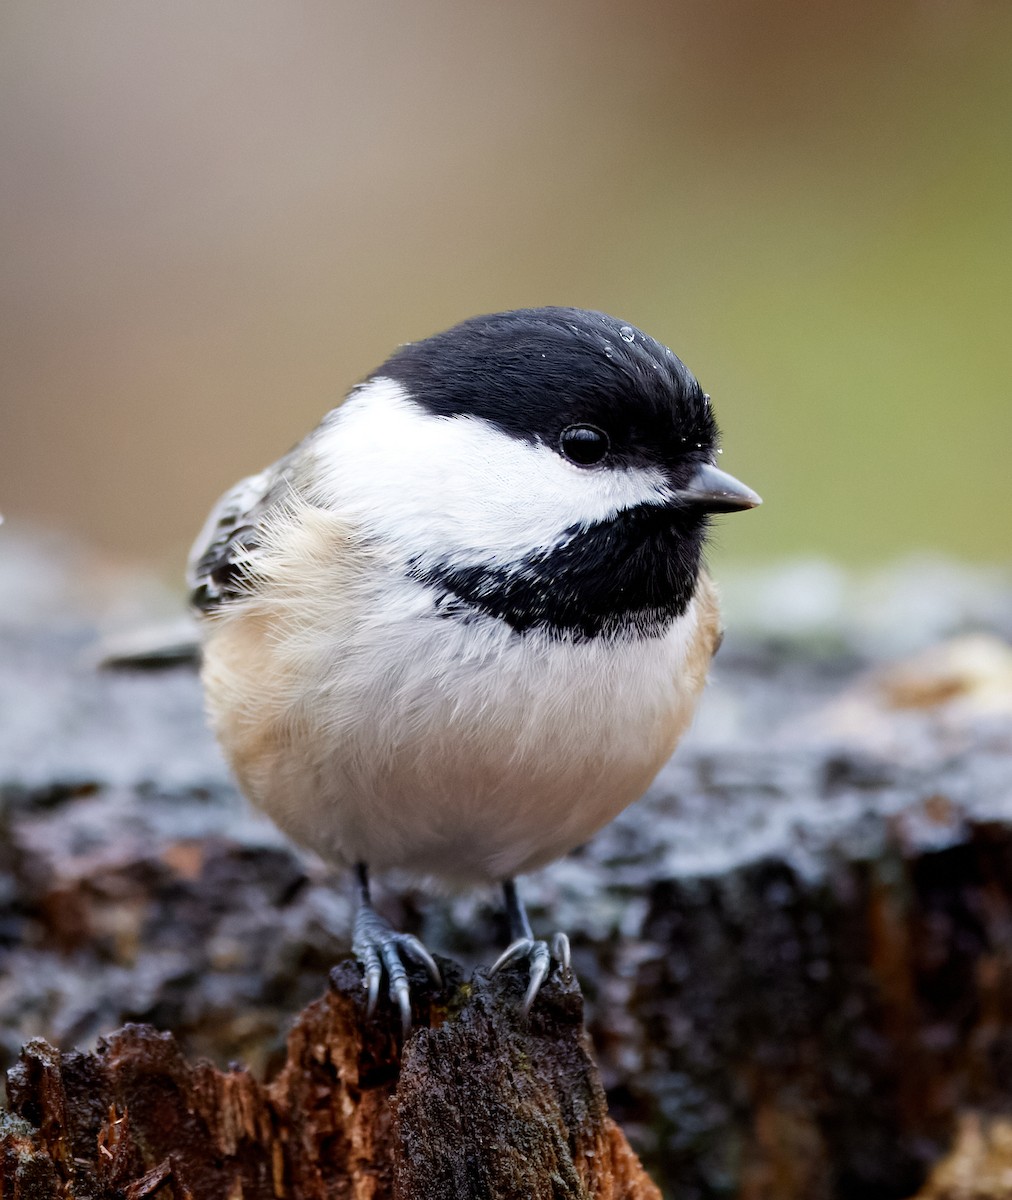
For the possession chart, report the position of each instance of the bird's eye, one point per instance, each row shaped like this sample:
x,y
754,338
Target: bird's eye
x,y
584,445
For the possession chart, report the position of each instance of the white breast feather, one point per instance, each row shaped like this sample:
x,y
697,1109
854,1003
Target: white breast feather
x,y
371,728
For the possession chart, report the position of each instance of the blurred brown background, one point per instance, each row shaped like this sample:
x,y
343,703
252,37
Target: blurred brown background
x,y
216,217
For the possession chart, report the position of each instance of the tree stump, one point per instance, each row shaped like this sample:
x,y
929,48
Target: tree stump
x,y
480,1103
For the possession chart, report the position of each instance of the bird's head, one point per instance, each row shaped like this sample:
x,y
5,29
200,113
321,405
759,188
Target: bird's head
x,y
553,468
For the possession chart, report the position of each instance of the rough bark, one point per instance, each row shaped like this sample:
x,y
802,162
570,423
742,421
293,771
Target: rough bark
x,y
482,1104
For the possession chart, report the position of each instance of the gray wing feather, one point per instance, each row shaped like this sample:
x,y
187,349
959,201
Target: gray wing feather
x,y
219,562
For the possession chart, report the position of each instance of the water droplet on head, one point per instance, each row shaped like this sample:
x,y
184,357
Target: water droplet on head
x,y
627,333
720,450
609,351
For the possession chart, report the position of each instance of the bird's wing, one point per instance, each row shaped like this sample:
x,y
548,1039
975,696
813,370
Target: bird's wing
x,y
223,559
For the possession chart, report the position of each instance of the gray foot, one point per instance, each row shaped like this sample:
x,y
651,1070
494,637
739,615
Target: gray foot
x,y
378,947
540,958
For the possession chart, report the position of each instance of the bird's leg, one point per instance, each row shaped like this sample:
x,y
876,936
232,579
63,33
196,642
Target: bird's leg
x,y
376,944
523,944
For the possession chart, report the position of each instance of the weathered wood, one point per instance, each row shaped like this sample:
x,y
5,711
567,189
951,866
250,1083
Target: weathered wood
x,y
796,951
484,1105
979,1166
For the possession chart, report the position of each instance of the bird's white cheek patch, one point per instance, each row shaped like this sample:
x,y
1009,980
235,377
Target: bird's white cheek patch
x,y
458,487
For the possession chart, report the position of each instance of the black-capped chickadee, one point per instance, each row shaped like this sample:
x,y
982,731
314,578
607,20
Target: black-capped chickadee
x,y
464,622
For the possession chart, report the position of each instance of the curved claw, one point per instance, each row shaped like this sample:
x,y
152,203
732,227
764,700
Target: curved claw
x,y
378,947
367,956
418,952
400,993
560,951
521,948
540,958
541,964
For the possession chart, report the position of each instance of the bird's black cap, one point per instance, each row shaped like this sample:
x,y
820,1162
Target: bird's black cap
x,y
564,377
534,371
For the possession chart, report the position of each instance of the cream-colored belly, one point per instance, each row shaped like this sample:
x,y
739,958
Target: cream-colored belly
x,y
450,749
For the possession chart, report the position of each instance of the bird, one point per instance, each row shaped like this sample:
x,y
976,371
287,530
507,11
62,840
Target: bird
x,y
464,622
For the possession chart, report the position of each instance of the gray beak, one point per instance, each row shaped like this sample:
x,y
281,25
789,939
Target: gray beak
x,y
713,490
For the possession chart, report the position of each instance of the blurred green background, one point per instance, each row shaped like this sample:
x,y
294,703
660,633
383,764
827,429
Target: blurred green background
x,y
215,218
